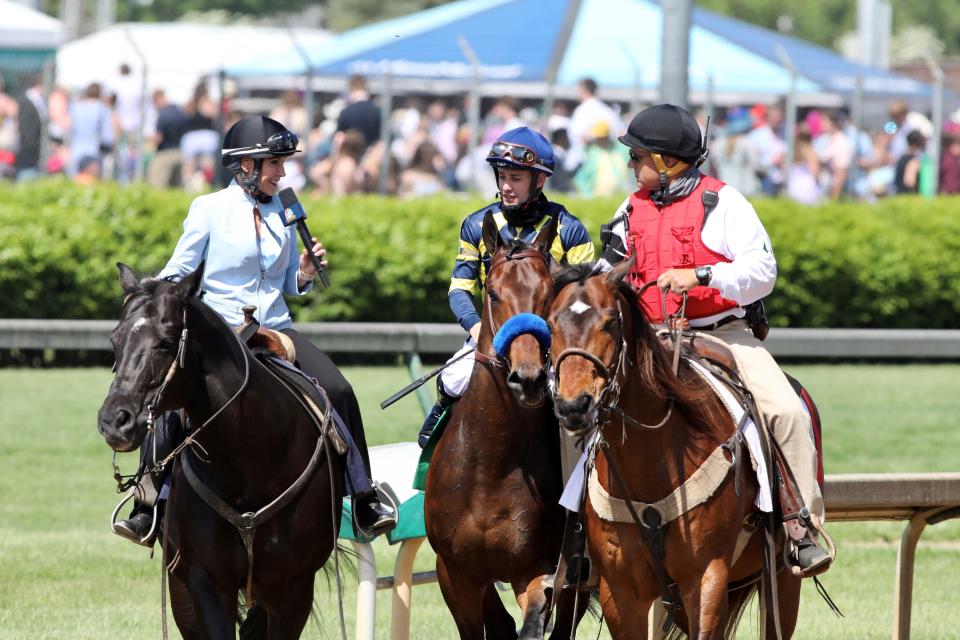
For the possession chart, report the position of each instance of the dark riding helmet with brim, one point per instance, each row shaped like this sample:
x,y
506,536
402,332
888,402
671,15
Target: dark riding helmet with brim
x,y
667,130
256,137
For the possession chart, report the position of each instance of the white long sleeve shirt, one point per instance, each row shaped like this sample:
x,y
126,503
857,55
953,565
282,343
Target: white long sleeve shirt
x,y
733,230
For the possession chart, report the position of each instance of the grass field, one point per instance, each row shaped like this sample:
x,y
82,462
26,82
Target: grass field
x,y
64,575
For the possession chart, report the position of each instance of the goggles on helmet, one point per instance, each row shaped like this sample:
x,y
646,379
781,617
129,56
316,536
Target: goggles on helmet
x,y
282,143
515,152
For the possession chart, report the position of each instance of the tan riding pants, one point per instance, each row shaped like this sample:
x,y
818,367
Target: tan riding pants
x,y
779,404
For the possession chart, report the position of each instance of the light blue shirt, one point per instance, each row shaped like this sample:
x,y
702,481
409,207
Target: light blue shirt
x,y
220,230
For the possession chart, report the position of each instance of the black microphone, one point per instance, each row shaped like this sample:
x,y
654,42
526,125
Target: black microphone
x,y
293,213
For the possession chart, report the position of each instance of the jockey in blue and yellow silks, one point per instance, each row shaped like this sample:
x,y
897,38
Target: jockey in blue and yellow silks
x,y
522,160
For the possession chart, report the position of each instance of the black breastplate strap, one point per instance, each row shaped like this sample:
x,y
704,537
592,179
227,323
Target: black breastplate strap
x,y
651,527
247,523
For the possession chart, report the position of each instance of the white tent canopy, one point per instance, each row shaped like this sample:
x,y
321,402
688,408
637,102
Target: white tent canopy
x,y
24,28
176,54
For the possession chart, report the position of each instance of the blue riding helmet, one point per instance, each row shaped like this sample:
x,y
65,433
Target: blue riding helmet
x,y
522,148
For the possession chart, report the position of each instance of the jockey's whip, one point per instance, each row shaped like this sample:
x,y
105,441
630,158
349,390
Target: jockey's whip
x,y
419,382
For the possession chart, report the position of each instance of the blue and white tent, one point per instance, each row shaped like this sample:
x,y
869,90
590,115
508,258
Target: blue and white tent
x,y
521,45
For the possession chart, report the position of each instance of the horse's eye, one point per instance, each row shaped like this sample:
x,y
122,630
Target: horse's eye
x,y
494,298
610,326
167,344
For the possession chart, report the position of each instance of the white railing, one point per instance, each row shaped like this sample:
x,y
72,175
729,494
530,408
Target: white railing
x,y
445,338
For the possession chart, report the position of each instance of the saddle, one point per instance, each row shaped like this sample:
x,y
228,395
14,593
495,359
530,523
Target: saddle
x,y
257,337
719,359
278,354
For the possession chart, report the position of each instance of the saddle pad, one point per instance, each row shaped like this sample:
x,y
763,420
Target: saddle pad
x,y
573,490
423,465
764,500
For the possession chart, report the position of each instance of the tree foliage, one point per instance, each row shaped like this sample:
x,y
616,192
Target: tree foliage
x,y
347,14
824,21
170,10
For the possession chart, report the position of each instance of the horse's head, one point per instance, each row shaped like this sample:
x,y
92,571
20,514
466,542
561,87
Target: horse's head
x,y
146,342
587,325
516,291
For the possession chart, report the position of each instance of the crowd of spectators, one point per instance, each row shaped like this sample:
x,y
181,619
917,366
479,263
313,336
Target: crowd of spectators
x,y
93,134
832,158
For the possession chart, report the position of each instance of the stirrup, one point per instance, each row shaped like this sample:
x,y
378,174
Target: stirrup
x,y
387,498
147,540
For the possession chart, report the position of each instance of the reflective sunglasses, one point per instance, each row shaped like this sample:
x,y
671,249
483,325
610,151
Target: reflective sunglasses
x,y
517,152
283,142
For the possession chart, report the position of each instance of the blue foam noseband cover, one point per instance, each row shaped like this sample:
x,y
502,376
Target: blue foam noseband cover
x,y
517,326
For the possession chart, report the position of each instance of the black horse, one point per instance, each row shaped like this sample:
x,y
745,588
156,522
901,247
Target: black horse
x,y
253,441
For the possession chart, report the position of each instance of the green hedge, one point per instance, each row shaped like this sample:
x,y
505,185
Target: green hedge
x,y
892,264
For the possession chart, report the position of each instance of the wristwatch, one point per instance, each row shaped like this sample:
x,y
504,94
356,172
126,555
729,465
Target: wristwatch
x,y
704,275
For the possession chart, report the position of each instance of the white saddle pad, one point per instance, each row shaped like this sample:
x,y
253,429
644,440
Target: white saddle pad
x,y
574,488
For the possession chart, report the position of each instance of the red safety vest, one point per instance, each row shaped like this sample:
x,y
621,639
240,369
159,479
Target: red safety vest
x,y
669,238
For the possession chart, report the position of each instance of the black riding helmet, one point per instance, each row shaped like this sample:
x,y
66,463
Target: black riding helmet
x,y
256,137
666,129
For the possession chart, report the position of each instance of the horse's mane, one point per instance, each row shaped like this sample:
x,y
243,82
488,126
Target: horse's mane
x,y
652,363
655,366
149,287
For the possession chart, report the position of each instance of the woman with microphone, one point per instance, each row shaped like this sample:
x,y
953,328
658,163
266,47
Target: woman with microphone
x,y
250,257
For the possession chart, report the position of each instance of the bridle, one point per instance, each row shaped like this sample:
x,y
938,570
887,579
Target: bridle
x,y
613,374
179,362
502,258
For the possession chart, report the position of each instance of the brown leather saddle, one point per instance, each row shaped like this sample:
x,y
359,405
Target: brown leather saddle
x,y
258,337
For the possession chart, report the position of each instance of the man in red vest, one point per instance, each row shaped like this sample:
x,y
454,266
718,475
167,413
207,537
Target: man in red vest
x,y
693,234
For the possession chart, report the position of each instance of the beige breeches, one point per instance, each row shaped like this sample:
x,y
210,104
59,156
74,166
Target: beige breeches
x,y
781,407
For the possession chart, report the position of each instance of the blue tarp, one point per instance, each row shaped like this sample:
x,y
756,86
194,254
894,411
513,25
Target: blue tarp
x,y
616,42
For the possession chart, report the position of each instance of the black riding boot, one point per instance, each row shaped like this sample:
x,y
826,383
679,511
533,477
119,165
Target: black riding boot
x,y
578,563
430,422
169,434
370,517
811,559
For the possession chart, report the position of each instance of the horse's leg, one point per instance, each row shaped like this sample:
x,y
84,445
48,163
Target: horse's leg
x,y
788,604
183,607
464,599
570,610
254,626
532,598
290,609
626,617
216,610
497,621
709,619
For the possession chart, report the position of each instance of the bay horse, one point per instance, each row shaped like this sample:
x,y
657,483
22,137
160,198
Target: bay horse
x,y
491,503
255,443
656,429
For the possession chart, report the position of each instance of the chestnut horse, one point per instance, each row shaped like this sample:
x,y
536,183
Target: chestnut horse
x,y
491,504
254,441
655,430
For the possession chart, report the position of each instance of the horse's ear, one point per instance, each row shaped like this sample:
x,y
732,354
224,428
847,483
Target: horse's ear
x,y
616,275
128,279
491,235
189,285
548,232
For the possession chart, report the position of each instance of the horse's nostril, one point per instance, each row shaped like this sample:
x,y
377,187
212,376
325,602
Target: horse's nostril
x,y
123,418
541,378
578,406
513,378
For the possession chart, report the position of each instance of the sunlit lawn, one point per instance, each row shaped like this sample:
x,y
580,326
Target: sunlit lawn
x,y
63,575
